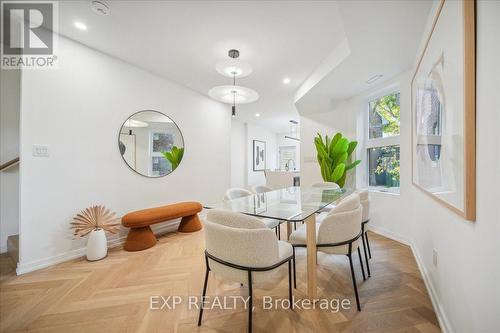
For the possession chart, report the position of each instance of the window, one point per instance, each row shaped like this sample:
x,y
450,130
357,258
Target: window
x,y
160,142
383,142
287,158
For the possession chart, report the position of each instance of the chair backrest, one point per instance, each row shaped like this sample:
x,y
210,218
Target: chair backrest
x,y
365,203
234,193
238,239
342,223
329,185
279,179
261,189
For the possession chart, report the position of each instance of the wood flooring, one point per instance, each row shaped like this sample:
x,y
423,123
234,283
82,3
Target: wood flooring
x,y
113,295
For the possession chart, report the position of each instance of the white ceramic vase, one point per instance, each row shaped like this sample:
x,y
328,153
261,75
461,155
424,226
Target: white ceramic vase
x,y
97,245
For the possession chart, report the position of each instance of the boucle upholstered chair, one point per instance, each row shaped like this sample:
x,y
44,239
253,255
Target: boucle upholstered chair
x,y
365,203
241,248
261,189
338,233
235,193
327,186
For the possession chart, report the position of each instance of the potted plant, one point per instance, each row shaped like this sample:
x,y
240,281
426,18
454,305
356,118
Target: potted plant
x,y
334,157
95,221
174,156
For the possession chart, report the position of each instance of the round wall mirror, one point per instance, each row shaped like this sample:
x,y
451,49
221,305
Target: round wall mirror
x,y
151,143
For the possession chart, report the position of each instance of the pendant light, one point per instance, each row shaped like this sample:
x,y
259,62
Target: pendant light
x,y
233,94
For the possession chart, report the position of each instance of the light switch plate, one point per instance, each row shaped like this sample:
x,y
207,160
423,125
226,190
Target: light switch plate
x,y
40,150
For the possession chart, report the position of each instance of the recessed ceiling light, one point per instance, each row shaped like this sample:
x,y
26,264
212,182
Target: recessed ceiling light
x,y
373,78
286,80
80,25
257,114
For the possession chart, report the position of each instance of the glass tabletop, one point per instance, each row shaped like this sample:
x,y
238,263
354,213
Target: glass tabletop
x,y
293,204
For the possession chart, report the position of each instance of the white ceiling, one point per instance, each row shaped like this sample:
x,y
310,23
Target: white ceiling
x,y
183,40
383,38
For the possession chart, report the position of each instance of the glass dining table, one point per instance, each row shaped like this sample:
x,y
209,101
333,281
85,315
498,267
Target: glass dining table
x,y
290,205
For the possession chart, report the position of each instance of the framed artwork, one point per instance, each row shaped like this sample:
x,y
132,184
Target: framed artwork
x,y
259,155
443,110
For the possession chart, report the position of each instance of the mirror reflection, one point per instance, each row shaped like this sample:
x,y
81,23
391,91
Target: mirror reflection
x,y
151,143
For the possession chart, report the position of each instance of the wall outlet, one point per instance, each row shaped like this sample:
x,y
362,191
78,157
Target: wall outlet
x,y
435,258
40,150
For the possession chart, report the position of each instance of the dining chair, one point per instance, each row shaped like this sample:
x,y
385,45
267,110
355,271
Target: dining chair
x,y
338,233
365,203
261,189
235,193
327,186
242,249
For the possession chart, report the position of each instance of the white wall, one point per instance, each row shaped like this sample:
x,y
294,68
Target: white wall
x,y
465,284
77,110
337,120
242,136
255,132
310,172
239,173
466,280
10,98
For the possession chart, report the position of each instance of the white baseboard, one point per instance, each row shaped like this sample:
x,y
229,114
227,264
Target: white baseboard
x,y
443,320
23,268
438,309
3,249
389,234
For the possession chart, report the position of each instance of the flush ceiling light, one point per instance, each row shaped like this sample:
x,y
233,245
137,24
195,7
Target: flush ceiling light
x,y
373,78
286,80
257,114
233,94
80,25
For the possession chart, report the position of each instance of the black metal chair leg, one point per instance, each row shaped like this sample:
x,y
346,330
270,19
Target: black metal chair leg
x,y
368,244
354,278
203,294
366,256
361,263
250,302
279,231
290,282
294,270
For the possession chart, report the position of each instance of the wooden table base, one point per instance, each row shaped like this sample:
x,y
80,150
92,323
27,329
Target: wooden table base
x,y
311,257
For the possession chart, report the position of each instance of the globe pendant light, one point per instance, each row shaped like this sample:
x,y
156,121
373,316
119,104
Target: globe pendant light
x,y
233,94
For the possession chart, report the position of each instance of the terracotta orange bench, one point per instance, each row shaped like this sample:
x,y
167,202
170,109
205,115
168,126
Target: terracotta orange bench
x,y
140,235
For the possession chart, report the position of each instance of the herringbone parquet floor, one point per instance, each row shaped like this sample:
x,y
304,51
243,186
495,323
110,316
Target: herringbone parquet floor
x,y
113,295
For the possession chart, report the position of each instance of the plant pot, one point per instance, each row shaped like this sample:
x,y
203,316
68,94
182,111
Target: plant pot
x,y
97,245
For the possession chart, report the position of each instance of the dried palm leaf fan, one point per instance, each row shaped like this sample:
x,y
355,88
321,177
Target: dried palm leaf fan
x,y
95,218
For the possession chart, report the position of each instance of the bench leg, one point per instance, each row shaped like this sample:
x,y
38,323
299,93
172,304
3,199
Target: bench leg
x,y
139,239
190,224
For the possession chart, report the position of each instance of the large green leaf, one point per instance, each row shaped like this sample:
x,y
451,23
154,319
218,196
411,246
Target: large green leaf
x,y
341,158
352,165
352,146
338,172
340,147
335,139
341,181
